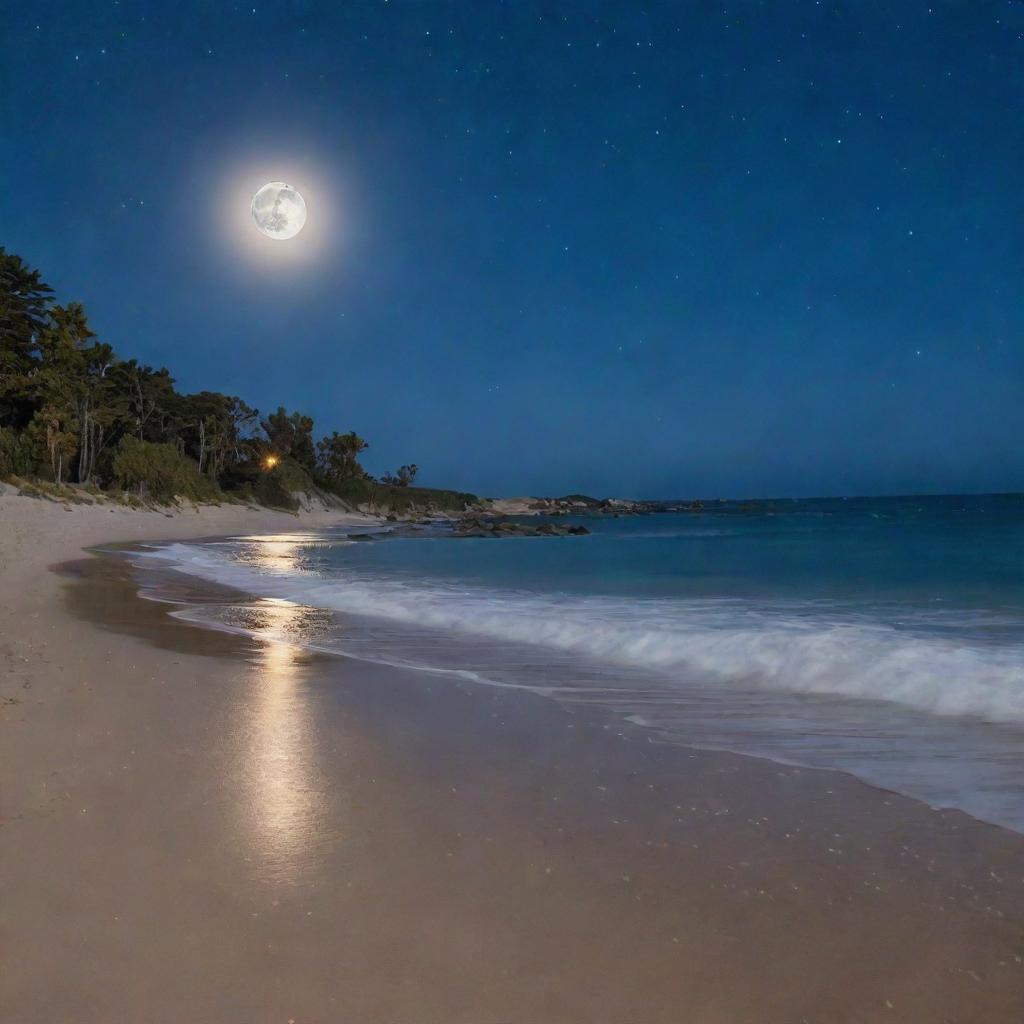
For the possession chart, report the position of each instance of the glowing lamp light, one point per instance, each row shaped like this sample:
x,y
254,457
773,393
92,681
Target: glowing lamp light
x,y
270,461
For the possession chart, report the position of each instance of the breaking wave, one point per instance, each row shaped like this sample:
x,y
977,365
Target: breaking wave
x,y
799,647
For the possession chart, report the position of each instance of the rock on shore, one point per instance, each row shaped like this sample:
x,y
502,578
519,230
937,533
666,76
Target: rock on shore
x,y
482,527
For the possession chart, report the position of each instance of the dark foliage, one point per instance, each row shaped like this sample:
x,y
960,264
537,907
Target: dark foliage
x,y
403,478
159,471
72,411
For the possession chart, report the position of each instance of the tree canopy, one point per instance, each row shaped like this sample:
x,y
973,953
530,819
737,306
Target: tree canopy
x,y
72,410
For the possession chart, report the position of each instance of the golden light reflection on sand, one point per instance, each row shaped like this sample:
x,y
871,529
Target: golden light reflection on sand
x,y
285,787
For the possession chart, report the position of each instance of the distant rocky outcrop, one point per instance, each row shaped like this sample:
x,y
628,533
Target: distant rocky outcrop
x,y
569,504
678,506
482,526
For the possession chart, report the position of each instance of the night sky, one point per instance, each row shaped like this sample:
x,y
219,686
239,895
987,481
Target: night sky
x,y
657,250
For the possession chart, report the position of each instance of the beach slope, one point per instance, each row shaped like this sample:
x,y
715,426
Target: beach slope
x,y
197,826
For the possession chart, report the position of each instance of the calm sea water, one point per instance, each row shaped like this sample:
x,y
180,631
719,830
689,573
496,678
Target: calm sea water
x,y
882,637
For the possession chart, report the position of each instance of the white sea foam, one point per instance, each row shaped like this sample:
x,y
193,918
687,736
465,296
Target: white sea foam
x,y
806,648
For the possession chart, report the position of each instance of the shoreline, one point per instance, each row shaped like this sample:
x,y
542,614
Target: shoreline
x,y
199,826
209,591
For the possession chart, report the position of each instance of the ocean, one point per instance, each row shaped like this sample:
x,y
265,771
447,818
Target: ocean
x,y
883,637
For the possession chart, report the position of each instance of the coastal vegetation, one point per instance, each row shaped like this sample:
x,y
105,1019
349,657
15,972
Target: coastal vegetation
x,y
75,416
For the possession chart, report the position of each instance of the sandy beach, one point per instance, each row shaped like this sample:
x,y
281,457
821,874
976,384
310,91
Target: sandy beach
x,y
196,826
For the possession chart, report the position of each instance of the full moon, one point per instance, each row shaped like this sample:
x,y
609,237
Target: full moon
x,y
279,210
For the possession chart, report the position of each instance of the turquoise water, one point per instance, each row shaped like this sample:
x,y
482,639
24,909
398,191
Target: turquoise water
x,y
883,637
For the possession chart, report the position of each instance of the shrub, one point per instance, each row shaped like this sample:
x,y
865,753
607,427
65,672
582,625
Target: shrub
x,y
243,493
270,491
277,487
160,472
20,453
292,476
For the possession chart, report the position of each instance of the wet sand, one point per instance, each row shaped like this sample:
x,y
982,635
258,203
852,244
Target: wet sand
x,y
196,826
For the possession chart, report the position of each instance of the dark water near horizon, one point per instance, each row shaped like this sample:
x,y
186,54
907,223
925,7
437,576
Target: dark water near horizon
x,y
879,636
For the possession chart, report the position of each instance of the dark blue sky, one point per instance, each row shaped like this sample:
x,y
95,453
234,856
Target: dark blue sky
x,y
651,249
